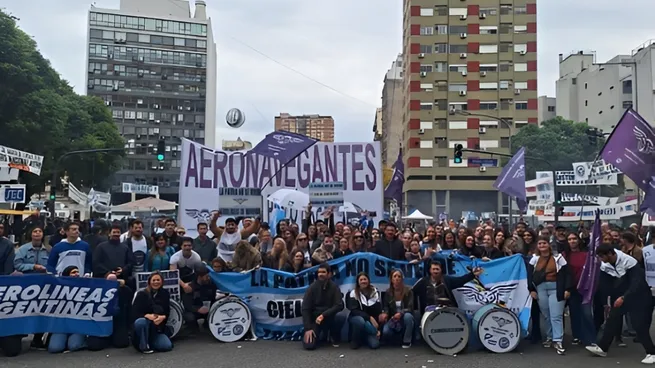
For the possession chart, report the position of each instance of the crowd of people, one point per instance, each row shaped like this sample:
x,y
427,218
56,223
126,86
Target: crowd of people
x,y
554,256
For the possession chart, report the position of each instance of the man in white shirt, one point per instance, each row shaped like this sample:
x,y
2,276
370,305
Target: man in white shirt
x,y
185,261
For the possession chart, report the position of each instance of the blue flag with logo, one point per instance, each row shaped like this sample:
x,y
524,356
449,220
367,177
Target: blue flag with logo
x,y
68,305
394,189
511,180
283,146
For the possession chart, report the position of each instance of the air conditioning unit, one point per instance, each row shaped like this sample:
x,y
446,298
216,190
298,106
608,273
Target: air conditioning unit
x,y
483,168
462,93
424,74
462,17
463,35
421,55
483,16
463,55
482,130
421,131
523,52
483,74
517,91
464,73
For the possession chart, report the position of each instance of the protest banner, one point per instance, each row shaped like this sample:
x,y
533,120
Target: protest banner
x,y
326,194
21,160
44,303
171,282
275,297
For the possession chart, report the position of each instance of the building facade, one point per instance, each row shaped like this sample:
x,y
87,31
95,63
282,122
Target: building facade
x,y
316,126
475,57
238,145
392,112
547,108
597,94
154,65
377,126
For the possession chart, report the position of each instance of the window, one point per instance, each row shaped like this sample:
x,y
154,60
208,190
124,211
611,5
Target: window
x,y
441,10
427,87
457,68
427,31
505,9
488,105
586,102
130,115
503,84
426,125
520,9
442,29
425,163
505,47
521,105
627,86
627,104
520,29
427,12
488,49
117,114
440,67
521,67
425,144
441,104
458,11
426,68
520,85
488,68
441,48
505,28
456,87
442,86
442,161
458,29
488,30
202,45
426,106
521,48
426,49
460,125
441,124
505,103
505,67
489,10
458,106
489,86
457,49
179,42
552,108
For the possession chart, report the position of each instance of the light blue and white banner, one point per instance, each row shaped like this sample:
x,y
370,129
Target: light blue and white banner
x,y
44,303
275,297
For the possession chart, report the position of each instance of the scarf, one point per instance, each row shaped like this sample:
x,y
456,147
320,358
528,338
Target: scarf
x,y
623,263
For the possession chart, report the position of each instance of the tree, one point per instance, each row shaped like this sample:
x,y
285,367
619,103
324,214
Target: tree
x,y
555,146
41,114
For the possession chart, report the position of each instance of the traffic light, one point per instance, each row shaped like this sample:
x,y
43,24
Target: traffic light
x,y
53,193
559,208
161,149
458,153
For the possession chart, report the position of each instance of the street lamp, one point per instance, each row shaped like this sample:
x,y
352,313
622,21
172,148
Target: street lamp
x,y
509,139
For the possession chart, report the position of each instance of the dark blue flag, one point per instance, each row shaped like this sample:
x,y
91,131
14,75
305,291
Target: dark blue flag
x,y
283,146
511,180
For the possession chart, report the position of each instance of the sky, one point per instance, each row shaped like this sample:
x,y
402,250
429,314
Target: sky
x,y
344,44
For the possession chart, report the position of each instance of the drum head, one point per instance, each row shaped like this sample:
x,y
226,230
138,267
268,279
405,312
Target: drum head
x,y
175,318
445,330
229,319
499,330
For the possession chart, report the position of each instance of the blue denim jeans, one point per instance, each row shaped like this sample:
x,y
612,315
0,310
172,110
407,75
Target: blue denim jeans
x,y
147,340
582,321
61,342
552,309
407,330
361,333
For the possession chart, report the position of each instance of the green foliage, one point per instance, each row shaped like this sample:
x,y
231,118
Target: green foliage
x,y
41,114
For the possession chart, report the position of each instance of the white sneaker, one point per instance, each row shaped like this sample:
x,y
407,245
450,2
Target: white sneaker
x,y
594,349
649,359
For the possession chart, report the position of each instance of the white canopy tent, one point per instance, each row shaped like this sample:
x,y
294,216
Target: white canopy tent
x,y
417,215
145,205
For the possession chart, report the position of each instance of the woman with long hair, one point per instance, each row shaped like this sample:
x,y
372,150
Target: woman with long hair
x,y
278,256
289,237
365,307
151,309
160,254
357,242
449,241
582,321
529,243
550,286
397,310
469,249
296,262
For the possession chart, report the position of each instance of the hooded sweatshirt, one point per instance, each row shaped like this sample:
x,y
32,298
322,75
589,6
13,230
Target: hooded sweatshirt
x,y
65,254
625,278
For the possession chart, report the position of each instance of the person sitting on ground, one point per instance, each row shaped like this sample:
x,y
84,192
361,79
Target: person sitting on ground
x,y
320,304
198,302
61,342
365,306
151,309
397,310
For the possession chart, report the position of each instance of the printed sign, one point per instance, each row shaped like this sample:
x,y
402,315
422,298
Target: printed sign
x,y
499,330
25,161
171,282
569,179
591,170
575,197
235,202
540,208
482,162
140,189
12,193
611,212
326,194
541,187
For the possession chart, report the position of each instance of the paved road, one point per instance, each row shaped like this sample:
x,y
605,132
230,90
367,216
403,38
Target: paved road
x,y
204,351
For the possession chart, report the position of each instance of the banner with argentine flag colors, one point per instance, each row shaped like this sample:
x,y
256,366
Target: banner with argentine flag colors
x,y
275,297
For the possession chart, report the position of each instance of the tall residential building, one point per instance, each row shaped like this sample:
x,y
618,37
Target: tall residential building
x,y
392,112
238,145
315,126
597,94
477,57
377,126
546,108
154,65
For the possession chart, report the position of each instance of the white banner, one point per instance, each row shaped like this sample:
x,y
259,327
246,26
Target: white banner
x,y
25,161
600,169
539,207
326,194
152,190
568,179
204,171
613,212
541,187
576,197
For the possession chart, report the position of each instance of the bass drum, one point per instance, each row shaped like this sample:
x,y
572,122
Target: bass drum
x,y
175,318
229,319
445,330
498,328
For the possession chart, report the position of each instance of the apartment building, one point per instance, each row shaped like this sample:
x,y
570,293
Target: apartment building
x,y
392,112
547,108
316,126
154,65
470,74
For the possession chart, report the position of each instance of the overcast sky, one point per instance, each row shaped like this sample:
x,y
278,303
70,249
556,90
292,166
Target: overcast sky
x,y
348,45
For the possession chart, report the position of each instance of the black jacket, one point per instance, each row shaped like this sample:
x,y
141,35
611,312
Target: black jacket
x,y
476,251
450,282
201,293
7,255
149,303
110,255
493,253
320,298
391,249
93,240
632,287
564,281
407,304
357,309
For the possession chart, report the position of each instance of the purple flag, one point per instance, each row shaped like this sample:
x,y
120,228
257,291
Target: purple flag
x,y
631,148
511,180
648,205
589,277
283,146
394,189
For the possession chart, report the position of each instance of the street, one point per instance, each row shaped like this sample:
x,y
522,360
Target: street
x,y
205,351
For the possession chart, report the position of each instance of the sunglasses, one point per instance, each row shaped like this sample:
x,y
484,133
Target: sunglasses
x,y
358,237
181,233
302,239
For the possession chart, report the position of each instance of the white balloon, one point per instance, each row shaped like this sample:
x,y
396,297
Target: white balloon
x,y
235,118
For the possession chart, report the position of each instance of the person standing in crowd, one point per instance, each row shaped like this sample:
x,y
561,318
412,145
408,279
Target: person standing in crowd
x,y
278,257
204,246
629,245
550,287
185,261
624,282
61,342
437,289
397,310
98,234
172,238
320,304
198,302
229,236
582,322
151,309
32,257
365,305
390,246
139,245
265,241
7,253
324,253
71,251
113,257
246,257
